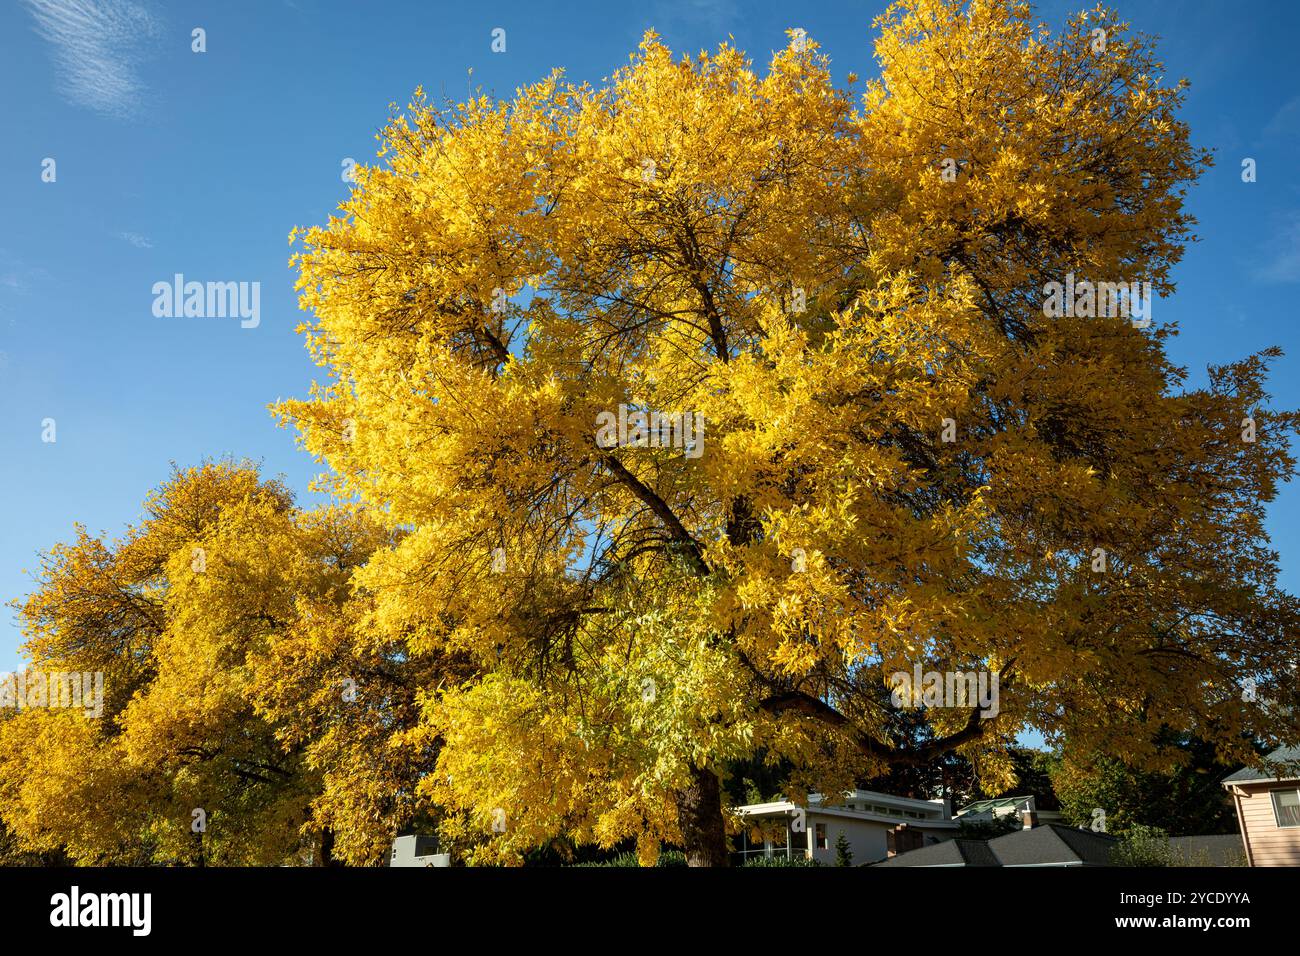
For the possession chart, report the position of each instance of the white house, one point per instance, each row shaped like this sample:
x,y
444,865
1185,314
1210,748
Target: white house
x,y
876,825
1024,808
417,850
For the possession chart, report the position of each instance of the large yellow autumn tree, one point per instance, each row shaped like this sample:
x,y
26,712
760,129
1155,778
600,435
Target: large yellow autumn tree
x,y
906,456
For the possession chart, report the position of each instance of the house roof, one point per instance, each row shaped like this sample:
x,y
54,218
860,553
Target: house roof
x,y
1053,843
1001,803
779,808
1283,762
947,853
1047,845
875,796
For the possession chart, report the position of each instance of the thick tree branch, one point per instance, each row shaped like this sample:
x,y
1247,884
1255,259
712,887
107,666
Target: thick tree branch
x,y
797,701
678,532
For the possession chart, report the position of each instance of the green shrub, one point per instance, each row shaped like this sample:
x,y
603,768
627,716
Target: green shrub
x,y
1142,846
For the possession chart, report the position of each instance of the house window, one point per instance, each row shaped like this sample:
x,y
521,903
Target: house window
x,y
1286,807
821,837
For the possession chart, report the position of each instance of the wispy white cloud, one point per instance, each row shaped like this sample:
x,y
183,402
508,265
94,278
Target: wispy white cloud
x,y
97,49
715,16
17,276
137,240
1286,121
1282,260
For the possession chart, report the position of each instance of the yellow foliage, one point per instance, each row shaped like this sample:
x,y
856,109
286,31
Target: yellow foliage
x,y
792,267
905,459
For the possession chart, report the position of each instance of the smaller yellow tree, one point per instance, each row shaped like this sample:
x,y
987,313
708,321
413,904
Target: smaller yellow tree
x,y
241,721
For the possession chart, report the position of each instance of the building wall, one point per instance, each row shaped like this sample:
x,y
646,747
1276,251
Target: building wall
x,y
768,828
868,841
1270,845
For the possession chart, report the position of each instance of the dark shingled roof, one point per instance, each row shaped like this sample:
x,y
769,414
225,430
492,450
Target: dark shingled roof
x,y
1283,762
1052,843
947,853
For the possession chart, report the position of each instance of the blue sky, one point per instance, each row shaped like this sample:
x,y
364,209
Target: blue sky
x,y
171,161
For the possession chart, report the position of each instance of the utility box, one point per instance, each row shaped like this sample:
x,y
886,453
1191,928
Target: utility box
x,y
417,850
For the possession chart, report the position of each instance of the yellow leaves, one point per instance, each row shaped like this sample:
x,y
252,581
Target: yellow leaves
x,y
62,788
647,850
594,756
794,658
198,619
904,459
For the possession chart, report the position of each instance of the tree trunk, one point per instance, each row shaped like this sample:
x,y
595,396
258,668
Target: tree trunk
x,y
326,857
699,816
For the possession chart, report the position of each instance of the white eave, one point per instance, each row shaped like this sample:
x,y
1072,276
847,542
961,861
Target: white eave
x,y
785,807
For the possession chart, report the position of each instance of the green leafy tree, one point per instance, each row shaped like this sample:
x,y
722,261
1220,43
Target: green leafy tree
x,y
1183,799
